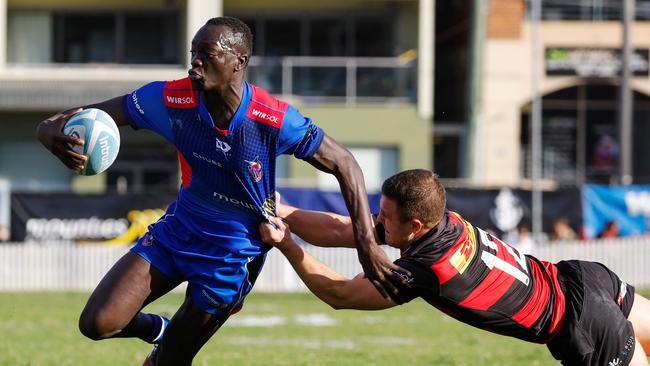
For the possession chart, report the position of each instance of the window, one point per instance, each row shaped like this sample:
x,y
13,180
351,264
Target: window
x,y
139,169
26,43
359,35
589,10
117,37
580,137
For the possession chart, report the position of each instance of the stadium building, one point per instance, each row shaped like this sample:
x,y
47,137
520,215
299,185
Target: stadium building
x,y
484,72
349,65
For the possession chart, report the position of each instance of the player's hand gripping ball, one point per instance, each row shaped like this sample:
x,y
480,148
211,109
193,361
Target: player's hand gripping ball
x,y
101,139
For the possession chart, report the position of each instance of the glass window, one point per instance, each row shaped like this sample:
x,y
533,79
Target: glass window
x,y
373,38
589,10
282,38
139,169
117,37
327,38
86,38
28,36
151,39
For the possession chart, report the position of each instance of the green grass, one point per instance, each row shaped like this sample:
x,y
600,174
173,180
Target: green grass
x,y
41,329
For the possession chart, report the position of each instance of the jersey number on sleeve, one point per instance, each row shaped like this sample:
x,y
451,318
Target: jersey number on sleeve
x,y
519,272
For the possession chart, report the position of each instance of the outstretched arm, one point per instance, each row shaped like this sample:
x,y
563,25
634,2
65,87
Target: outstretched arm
x,y
323,229
335,159
50,132
334,289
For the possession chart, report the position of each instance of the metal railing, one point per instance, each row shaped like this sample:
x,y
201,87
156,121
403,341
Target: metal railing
x,y
347,80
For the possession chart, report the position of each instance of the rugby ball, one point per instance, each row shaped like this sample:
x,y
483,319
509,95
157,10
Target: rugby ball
x,y
101,139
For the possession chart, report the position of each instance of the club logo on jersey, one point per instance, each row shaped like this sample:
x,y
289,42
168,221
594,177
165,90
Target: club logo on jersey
x,y
255,169
222,146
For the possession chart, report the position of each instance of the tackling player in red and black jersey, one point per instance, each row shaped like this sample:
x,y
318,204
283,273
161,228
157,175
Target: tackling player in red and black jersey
x,y
583,312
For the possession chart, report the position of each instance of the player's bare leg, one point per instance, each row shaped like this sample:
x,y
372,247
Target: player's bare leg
x,y
187,332
128,286
640,318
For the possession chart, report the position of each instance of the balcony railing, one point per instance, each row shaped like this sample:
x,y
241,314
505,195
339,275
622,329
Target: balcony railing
x,y
347,80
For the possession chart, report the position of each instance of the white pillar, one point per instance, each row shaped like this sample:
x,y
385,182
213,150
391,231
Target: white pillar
x,y
3,35
426,34
198,12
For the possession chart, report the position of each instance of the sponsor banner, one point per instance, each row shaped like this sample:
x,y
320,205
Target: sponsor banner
x,y
116,218
496,210
593,62
627,206
79,217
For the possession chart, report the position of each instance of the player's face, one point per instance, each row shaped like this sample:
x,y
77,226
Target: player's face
x,y
399,234
218,55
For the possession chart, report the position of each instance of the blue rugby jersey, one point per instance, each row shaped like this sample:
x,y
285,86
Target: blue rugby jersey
x,y
228,177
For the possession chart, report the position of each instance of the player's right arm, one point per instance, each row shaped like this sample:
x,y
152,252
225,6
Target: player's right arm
x,y
125,110
332,288
323,229
50,131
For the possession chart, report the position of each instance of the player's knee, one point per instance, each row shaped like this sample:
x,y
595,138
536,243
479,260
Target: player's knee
x,y
96,326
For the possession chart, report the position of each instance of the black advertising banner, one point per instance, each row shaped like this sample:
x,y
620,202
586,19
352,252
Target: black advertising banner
x,y
501,210
120,218
81,217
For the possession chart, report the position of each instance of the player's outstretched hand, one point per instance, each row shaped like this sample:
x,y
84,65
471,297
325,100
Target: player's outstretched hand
x,y
50,134
278,236
381,271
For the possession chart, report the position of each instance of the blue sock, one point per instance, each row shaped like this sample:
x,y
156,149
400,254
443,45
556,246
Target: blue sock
x,y
158,330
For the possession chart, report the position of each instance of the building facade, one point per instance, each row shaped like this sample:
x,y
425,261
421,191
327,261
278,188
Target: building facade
x,y
352,66
579,67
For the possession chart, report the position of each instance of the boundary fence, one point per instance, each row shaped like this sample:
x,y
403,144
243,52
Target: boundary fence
x,y
60,267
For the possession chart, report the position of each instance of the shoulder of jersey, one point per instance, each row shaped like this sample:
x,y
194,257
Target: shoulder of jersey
x,y
265,108
179,94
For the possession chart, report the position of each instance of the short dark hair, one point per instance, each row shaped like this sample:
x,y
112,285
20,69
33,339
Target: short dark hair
x,y
237,26
418,194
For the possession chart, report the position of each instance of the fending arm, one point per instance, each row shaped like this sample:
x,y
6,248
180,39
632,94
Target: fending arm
x,y
328,285
323,229
335,159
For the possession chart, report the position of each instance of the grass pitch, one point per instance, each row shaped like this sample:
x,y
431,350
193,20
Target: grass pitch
x,y
272,329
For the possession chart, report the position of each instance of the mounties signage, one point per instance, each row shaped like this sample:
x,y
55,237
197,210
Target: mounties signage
x,y
593,62
627,206
81,217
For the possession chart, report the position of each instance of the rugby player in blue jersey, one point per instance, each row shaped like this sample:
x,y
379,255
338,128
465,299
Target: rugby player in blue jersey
x,y
228,133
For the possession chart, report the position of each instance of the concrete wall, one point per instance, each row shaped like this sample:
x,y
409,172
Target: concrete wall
x,y
372,126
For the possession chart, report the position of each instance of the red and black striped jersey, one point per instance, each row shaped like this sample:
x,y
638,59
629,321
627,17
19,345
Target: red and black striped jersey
x,y
482,281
